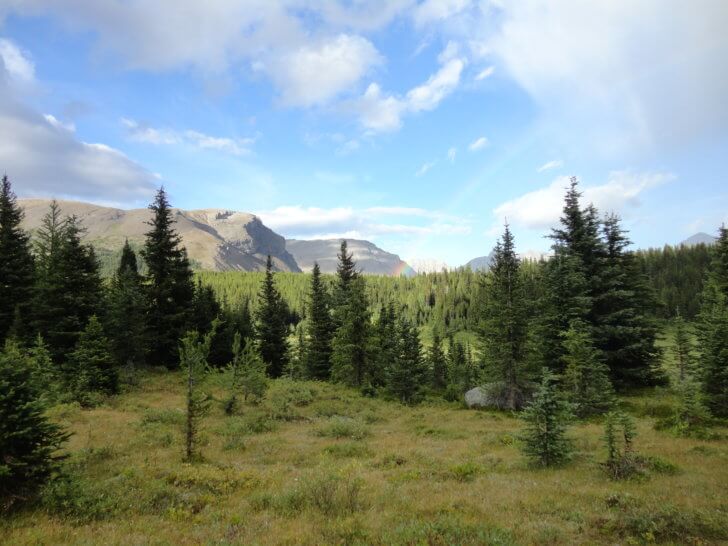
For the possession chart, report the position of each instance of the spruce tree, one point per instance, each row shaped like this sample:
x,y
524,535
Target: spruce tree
x,y
691,416
622,329
271,327
247,373
320,329
503,324
193,360
408,373
346,274
586,377
547,416
437,362
91,369
169,286
69,287
28,440
682,349
619,435
384,344
16,264
351,351
127,312
713,333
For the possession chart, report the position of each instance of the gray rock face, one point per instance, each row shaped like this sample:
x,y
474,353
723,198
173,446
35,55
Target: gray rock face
x,y
370,259
699,239
477,398
216,239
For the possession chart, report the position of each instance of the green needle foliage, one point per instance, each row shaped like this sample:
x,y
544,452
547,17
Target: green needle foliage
x,y
28,440
271,328
544,439
619,435
193,358
91,369
317,356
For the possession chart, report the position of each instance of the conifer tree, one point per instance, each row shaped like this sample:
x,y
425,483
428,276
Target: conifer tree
x,y
437,363
247,373
271,327
459,377
503,325
682,349
408,373
69,288
91,368
714,331
622,330
127,312
384,343
351,351
45,373
193,360
346,274
547,416
320,329
169,286
28,440
16,264
691,415
586,377
619,435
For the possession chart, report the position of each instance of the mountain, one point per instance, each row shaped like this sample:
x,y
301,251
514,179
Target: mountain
x,y
427,265
215,239
699,239
369,258
481,263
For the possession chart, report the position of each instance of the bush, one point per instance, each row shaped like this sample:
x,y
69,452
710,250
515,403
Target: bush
x,y
28,440
447,530
343,427
77,499
465,472
348,450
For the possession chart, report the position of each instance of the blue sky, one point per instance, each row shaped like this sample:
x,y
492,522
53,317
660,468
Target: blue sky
x,y
420,126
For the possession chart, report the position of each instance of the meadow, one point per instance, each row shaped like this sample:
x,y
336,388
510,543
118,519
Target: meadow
x,y
317,463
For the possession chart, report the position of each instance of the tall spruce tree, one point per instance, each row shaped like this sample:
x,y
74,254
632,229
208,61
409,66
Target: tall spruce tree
x,y
351,350
437,362
193,359
16,264
320,329
682,348
127,312
503,324
28,440
713,333
271,326
169,286
407,375
384,343
346,273
69,288
622,329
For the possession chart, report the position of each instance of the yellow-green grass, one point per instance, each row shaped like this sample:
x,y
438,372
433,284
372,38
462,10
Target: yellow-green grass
x,y
345,469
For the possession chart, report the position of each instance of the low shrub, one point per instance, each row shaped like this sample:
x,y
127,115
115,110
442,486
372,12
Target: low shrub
x,y
348,450
447,530
343,427
77,499
465,472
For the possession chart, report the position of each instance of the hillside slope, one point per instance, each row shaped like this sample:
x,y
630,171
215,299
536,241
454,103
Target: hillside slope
x,y
215,239
370,259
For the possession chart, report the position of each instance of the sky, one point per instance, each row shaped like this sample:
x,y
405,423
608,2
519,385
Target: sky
x,y
422,126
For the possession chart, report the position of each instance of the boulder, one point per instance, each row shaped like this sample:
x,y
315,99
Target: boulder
x,y
477,398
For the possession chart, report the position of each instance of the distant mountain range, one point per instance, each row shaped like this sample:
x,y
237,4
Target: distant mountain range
x,y
481,263
425,265
217,239
370,259
699,239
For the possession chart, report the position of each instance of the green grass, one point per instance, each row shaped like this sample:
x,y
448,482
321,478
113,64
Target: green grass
x,y
329,466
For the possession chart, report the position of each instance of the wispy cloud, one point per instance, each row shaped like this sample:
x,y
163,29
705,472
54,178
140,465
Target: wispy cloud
x,y
425,168
144,133
540,209
451,153
479,144
553,164
485,73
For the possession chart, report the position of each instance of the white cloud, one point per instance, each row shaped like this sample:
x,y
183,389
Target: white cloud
x,y
320,223
150,135
623,76
53,120
540,209
553,164
434,11
18,65
451,154
379,112
315,74
479,144
485,73
424,168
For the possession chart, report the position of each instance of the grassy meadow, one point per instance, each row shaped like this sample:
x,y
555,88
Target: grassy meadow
x,y
316,463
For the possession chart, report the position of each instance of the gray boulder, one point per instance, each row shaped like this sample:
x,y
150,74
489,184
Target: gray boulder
x,y
477,398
